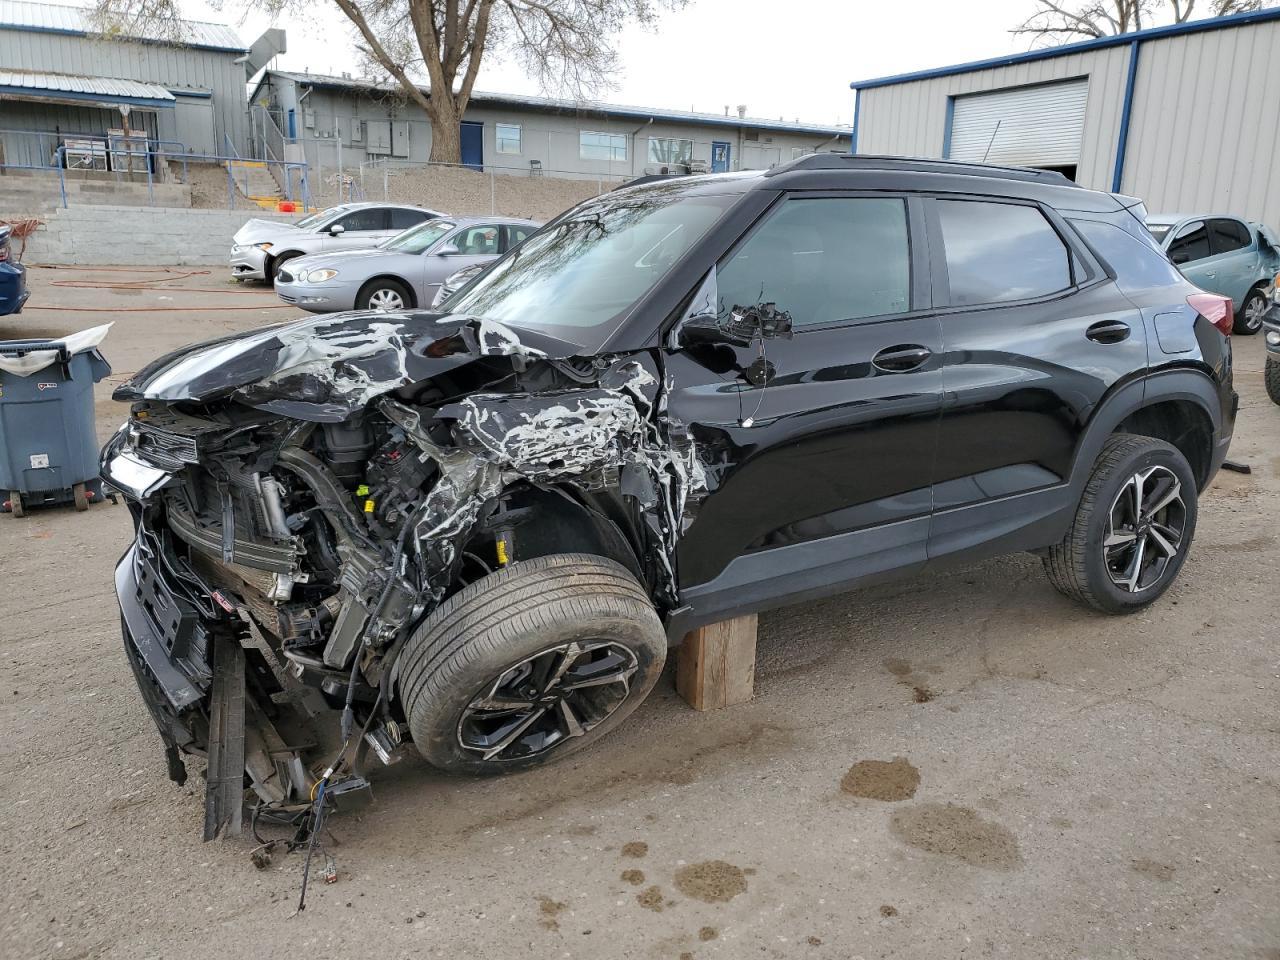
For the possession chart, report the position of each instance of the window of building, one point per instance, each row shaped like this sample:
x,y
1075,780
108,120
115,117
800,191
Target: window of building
x,y
1226,236
1191,243
507,136
824,260
602,146
1001,251
663,150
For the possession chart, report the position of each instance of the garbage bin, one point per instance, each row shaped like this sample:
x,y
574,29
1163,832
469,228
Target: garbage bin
x,y
48,445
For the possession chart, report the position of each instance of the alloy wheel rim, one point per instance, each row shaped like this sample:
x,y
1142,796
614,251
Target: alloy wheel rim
x,y
386,300
1145,529
547,700
1253,312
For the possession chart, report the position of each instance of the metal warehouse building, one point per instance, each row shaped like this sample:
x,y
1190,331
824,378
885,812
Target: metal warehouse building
x,y
361,121
1185,117
58,78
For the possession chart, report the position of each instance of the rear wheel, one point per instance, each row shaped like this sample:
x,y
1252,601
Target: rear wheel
x,y
15,504
80,497
1132,529
1272,378
1249,319
530,663
384,294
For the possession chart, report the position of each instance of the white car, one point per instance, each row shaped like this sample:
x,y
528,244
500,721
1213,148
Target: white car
x,y
260,247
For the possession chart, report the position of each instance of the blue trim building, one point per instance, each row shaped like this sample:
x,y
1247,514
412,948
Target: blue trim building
x,y
1184,116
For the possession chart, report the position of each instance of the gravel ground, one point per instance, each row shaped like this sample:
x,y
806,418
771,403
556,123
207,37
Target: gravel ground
x,y
956,766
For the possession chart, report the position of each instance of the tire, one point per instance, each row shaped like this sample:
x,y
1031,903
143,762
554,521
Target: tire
x,y
1249,319
1103,577
274,265
15,504
377,294
514,627
79,497
1271,375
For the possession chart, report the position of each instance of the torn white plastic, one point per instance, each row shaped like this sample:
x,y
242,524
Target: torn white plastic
x,y
37,360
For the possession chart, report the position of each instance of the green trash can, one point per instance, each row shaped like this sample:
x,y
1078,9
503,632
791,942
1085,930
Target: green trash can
x,y
48,444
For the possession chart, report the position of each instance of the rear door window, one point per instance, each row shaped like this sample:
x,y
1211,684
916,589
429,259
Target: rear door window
x,y
998,252
823,260
516,233
1226,236
478,241
402,219
1190,243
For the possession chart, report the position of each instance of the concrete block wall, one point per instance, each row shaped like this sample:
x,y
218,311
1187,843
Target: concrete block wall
x,y
138,236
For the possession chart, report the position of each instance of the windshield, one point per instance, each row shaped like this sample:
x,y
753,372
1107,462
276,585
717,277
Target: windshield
x,y
417,238
317,218
583,273
1159,230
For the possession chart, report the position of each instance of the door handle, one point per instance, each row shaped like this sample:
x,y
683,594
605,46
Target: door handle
x,y
901,358
1108,331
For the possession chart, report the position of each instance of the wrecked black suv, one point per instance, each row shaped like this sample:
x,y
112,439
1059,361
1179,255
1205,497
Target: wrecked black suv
x,y
479,531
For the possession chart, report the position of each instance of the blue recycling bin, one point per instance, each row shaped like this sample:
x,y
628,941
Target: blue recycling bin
x,y
48,445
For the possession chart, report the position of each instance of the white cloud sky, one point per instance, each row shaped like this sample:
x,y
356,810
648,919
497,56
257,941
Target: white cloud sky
x,y
782,58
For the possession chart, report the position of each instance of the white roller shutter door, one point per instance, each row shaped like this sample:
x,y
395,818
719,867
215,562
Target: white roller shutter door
x,y
1039,126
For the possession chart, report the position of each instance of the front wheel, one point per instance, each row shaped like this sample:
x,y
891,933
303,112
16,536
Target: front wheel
x,y
1272,378
529,664
384,294
1132,529
1249,319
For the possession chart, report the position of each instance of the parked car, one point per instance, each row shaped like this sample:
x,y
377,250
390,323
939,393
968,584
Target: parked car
x,y
261,247
1271,335
455,282
13,276
404,271
1225,255
676,404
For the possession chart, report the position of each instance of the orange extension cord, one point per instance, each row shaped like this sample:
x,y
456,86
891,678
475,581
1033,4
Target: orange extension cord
x,y
149,283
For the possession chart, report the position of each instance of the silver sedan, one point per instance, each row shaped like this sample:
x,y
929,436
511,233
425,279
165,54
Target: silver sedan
x,y
405,271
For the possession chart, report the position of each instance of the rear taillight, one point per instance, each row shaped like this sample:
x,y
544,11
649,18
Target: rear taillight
x,y
1215,308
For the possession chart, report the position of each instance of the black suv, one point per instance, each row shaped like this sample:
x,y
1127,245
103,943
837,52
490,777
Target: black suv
x,y
481,529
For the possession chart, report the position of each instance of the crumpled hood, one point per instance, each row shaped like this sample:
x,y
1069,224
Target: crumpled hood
x,y
257,230
327,368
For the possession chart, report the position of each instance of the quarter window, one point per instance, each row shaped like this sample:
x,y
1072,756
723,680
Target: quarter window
x,y
507,137
823,260
998,252
602,146
670,151
1226,236
1190,243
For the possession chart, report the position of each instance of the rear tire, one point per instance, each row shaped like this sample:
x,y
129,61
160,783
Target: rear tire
x,y
79,497
1271,375
1117,556
15,504
1249,319
535,643
384,294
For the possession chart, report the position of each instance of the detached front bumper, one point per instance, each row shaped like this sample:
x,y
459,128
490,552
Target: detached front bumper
x,y
248,262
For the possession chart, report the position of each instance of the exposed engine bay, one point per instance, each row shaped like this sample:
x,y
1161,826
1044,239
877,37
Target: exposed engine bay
x,y
305,495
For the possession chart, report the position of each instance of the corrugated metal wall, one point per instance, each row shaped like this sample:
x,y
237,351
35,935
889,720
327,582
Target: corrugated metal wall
x,y
211,70
909,119
1204,132
1206,124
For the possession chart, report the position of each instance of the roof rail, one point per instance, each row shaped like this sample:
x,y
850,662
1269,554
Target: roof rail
x,y
858,161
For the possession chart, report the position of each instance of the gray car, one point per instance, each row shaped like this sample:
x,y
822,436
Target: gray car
x,y
405,271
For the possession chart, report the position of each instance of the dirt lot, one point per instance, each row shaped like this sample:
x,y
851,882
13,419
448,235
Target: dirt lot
x,y
958,766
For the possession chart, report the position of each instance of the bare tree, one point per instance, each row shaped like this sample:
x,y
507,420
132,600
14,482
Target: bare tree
x,y
1062,22
565,45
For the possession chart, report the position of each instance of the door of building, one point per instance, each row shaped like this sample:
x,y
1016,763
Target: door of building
x,y
719,156
472,136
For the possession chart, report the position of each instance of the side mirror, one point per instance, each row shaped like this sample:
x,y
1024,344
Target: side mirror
x,y
739,328
448,250
336,229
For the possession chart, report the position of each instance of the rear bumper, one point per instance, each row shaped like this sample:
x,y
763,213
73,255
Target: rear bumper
x,y
13,288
